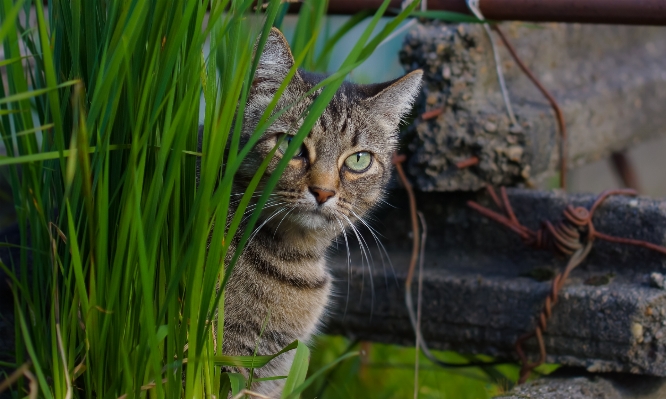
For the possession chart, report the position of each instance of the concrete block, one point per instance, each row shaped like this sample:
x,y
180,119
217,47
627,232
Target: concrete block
x,y
609,81
576,384
483,288
567,388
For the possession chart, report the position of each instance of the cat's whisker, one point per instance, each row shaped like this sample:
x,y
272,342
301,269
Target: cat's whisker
x,y
294,206
281,220
383,201
373,218
270,201
248,214
238,201
254,233
381,248
238,194
344,234
237,198
373,231
268,204
351,208
250,209
361,243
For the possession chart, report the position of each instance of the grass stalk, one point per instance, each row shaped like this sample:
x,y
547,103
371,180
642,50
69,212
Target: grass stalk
x,y
116,288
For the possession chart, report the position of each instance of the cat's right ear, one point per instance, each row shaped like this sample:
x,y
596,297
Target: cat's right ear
x,y
274,63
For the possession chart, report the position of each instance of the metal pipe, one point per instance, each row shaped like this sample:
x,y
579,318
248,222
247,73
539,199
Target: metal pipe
x,y
625,12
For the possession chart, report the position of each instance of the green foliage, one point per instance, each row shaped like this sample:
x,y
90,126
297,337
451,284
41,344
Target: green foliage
x,y
298,371
115,291
387,371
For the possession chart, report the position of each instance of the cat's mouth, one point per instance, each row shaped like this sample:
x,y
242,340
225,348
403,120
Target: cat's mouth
x,y
289,210
318,211
308,216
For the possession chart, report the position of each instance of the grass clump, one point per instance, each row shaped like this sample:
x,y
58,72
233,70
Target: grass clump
x,y
115,288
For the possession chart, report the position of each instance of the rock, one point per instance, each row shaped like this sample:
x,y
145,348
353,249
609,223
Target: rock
x,y
483,287
657,280
565,388
578,384
611,92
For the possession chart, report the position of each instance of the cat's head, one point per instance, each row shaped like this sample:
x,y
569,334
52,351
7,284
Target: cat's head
x,y
344,163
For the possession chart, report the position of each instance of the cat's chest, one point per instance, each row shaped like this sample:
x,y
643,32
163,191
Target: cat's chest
x,y
293,287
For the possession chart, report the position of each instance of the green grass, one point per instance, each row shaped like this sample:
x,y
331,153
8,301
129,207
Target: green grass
x,y
387,371
99,116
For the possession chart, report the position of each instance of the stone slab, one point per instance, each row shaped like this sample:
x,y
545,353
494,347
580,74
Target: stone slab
x,y
576,384
481,290
609,82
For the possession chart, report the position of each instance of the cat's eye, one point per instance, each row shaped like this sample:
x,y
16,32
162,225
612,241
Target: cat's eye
x,y
286,142
359,162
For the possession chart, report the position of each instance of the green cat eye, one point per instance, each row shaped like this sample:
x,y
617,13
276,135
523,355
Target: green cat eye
x,y
359,162
284,144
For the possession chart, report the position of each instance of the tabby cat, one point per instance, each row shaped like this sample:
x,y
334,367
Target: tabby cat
x,y
337,176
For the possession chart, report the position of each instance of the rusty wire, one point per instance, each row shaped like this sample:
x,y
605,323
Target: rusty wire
x,y
432,113
573,236
466,163
553,103
418,249
413,213
473,160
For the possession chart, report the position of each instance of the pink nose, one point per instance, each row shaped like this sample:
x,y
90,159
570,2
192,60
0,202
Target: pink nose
x,y
320,194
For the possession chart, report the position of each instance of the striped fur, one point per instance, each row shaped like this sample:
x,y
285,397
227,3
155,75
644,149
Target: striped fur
x,y
281,278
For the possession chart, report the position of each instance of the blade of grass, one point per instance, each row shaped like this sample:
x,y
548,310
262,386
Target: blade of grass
x,y
297,372
9,18
312,378
255,361
30,94
351,23
44,156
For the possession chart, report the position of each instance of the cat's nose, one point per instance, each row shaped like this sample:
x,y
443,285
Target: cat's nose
x,y
321,195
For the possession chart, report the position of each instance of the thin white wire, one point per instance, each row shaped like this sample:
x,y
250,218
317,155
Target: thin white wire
x,y
473,5
419,300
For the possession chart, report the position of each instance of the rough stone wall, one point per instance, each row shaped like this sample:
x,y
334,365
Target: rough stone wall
x,y
610,82
455,62
577,384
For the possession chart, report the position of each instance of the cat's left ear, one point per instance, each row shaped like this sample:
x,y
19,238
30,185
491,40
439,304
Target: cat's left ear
x,y
274,63
396,98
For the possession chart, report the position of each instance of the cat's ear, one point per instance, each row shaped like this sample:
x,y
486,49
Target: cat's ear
x,y
274,63
393,100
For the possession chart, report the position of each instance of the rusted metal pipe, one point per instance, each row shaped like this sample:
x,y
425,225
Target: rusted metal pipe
x,y
625,12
